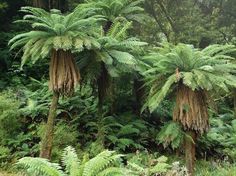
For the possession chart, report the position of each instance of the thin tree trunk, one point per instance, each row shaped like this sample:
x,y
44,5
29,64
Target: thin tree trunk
x,y
47,141
190,150
103,85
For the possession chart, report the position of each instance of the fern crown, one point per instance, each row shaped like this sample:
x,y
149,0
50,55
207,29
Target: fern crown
x,y
53,30
209,69
111,9
117,51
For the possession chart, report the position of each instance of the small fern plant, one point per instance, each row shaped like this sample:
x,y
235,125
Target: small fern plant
x,y
107,163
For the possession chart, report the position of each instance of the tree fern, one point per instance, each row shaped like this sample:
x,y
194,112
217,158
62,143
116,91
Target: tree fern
x,y
192,74
209,69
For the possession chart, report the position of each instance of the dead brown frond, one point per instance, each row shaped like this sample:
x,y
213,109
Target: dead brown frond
x,y
191,109
64,74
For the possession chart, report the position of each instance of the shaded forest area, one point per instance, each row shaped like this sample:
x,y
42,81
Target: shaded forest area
x,y
118,87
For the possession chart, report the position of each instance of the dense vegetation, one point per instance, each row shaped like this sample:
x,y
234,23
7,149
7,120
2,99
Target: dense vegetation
x,y
118,87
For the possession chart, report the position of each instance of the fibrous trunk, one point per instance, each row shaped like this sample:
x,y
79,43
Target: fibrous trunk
x,y
64,74
191,111
47,141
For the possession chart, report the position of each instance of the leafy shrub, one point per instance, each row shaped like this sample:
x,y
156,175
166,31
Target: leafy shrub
x,y
4,154
221,138
124,132
9,116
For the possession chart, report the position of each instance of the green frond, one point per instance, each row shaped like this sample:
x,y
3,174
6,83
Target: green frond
x,y
171,134
99,163
155,97
71,161
123,57
39,167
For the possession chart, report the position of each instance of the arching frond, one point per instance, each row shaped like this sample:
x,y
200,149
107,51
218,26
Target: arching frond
x,y
99,163
70,161
39,167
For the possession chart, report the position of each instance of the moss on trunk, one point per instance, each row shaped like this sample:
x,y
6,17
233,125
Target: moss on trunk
x,y
47,141
190,151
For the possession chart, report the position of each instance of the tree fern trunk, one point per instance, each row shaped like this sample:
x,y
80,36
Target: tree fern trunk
x,y
138,92
190,150
40,4
59,4
47,141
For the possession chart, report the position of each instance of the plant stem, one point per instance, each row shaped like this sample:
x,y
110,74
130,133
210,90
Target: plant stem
x,y
47,141
190,150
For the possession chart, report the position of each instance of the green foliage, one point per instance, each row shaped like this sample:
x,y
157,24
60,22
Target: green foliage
x,y
111,10
4,154
104,164
121,133
9,118
148,164
171,134
210,168
117,52
37,99
221,137
52,30
14,140
102,31
209,69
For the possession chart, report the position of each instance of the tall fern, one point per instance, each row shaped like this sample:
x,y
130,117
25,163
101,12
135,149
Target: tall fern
x,y
209,69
